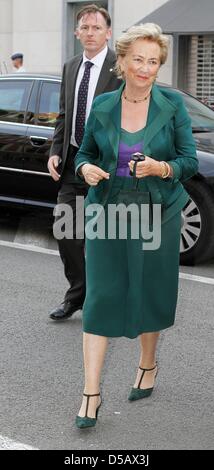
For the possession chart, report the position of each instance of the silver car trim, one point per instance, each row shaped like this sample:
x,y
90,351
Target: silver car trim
x,y
23,77
38,137
41,173
26,125
18,170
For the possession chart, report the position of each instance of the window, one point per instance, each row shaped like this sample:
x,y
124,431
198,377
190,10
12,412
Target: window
x,y
13,99
49,104
202,117
197,67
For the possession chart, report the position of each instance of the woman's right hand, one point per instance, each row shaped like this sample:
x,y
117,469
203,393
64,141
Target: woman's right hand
x,y
92,174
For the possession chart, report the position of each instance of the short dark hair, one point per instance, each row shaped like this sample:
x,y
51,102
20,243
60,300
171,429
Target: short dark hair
x,y
87,9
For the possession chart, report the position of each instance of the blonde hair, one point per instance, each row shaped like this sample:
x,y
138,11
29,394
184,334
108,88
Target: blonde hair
x,y
149,31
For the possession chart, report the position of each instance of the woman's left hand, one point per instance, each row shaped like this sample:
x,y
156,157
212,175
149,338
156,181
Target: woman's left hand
x,y
149,167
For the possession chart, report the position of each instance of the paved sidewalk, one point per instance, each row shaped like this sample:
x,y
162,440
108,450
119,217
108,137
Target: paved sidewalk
x,y
42,378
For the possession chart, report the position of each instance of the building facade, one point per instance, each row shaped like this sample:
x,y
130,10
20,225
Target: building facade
x,y
191,26
34,28
44,30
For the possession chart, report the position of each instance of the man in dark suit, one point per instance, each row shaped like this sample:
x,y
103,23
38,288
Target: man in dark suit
x,y
84,77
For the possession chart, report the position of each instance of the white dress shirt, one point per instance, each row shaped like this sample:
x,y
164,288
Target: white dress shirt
x,y
20,70
98,61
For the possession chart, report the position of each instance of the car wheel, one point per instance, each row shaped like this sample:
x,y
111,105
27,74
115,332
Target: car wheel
x,y
197,232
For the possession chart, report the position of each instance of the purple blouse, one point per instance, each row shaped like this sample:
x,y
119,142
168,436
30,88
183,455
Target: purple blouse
x,y
130,142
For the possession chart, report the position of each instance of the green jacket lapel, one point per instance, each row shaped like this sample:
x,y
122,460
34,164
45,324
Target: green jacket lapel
x,y
160,112
108,113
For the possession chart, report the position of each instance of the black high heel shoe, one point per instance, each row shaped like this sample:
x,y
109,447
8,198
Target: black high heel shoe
x,y
137,393
86,421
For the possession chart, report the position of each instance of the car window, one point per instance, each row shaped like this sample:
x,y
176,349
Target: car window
x,y
202,117
49,104
13,99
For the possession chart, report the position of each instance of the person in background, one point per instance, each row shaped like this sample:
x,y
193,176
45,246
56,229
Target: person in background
x,y
84,77
131,291
17,61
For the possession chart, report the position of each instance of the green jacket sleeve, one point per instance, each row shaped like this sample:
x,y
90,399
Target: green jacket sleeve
x,y
185,163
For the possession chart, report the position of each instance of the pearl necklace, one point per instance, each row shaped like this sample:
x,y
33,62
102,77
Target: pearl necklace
x,y
136,101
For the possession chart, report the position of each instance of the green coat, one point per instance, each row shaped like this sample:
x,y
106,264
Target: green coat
x,y
120,298
168,136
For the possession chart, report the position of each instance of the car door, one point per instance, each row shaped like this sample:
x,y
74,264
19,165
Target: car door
x,y
14,96
39,186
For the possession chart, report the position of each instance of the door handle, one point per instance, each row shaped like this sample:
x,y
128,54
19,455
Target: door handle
x,y
37,140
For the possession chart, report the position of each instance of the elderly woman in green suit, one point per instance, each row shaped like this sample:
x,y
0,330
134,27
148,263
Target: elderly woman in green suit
x,y
132,291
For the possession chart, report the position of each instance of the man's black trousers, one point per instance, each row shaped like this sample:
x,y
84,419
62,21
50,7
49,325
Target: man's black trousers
x,y
72,251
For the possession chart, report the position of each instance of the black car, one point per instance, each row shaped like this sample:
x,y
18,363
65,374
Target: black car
x,y
28,109
29,105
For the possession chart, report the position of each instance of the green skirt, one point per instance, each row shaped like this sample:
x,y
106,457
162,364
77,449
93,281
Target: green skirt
x,y
129,290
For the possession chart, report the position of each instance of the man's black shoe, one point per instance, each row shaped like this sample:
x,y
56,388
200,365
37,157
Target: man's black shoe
x,y
64,311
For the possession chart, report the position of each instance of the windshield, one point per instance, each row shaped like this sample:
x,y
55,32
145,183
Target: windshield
x,y
202,117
